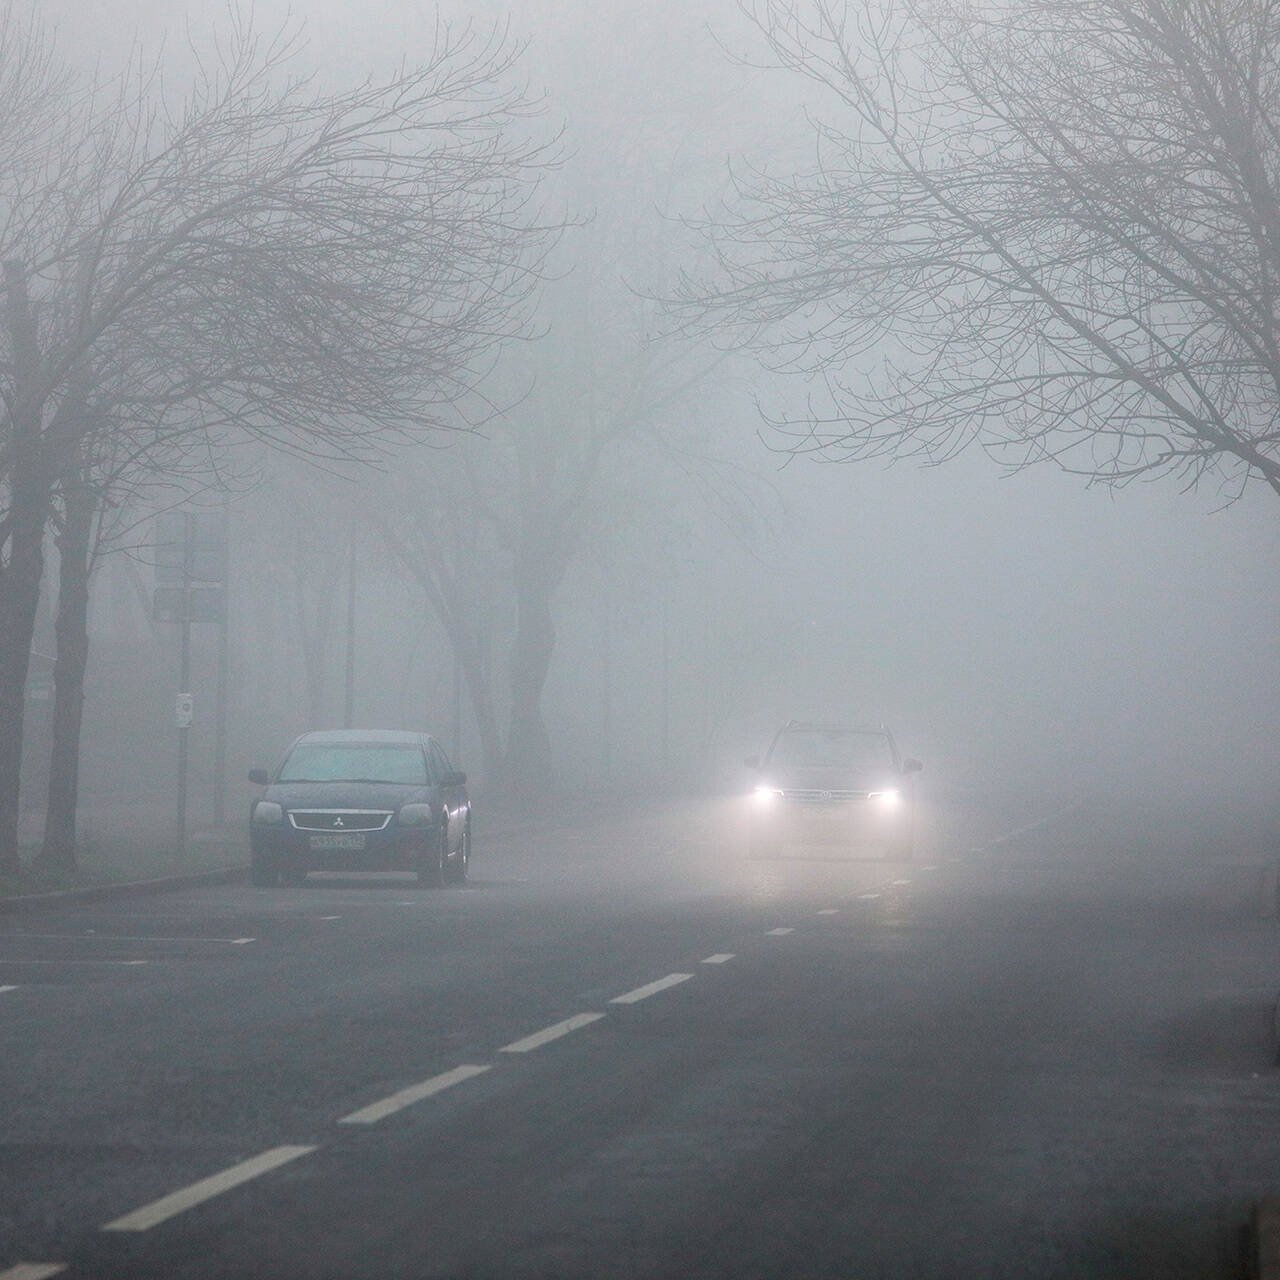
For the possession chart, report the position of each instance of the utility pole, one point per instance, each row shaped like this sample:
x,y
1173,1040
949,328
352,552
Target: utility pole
x,y
182,713
666,680
224,662
606,694
349,702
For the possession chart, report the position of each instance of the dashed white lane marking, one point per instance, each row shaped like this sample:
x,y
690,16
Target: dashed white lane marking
x,y
829,911
720,957
376,1111
553,1032
897,882
177,1202
7,987
330,917
866,897
930,868
22,963
33,1271
777,933
91,936
651,989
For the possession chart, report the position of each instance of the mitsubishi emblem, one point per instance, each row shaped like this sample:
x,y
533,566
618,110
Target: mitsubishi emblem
x,y
337,822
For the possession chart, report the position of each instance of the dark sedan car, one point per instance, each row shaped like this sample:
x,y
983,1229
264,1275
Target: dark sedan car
x,y
361,800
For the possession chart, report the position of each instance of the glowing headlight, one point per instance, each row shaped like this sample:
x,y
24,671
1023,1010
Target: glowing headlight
x,y
766,796
889,799
415,815
266,813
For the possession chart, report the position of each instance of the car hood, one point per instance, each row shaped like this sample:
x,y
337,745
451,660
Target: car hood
x,y
346,795
828,779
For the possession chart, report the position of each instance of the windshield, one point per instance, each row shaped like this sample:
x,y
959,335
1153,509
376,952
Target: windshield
x,y
851,749
354,762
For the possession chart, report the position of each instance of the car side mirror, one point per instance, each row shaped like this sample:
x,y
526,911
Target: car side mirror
x,y
912,766
455,779
260,777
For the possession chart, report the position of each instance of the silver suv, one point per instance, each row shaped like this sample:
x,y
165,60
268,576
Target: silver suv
x,y
830,784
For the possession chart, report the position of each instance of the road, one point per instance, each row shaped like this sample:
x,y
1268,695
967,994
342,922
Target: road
x,y
1039,1049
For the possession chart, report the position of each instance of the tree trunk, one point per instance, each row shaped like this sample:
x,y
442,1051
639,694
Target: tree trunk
x,y
528,764
71,628
30,495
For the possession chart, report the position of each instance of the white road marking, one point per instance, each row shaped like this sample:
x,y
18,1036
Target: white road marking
x,y
928,868
93,936
33,1271
719,958
554,1032
651,989
1030,826
8,963
330,917
3,989
866,897
376,1111
177,1202
902,882
829,911
777,933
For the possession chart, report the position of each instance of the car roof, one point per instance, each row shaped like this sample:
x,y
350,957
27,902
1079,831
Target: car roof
x,y
365,736
835,725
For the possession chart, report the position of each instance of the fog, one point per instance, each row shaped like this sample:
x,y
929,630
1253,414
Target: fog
x,y
1019,631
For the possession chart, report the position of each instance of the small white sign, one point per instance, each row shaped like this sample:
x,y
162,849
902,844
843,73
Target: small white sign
x,y
183,710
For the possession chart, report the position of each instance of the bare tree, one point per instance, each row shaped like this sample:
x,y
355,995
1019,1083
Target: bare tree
x,y
316,270
1049,229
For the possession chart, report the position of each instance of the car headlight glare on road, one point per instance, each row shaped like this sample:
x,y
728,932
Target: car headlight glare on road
x,y
765,797
415,815
889,799
266,813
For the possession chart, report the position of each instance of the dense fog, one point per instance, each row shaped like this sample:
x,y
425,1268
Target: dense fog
x,y
1021,631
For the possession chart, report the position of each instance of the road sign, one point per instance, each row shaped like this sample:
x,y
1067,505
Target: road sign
x,y
190,547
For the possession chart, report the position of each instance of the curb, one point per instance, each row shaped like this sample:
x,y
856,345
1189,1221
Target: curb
x,y
125,889
1262,1259
26,902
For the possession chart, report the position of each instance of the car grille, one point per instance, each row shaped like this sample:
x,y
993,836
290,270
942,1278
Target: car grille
x,y
339,819
807,796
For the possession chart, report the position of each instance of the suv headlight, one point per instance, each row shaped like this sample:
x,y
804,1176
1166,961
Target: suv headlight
x,y
266,813
765,796
415,815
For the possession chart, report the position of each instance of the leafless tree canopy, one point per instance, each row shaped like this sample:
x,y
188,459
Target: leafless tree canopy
x,y
265,259
1050,228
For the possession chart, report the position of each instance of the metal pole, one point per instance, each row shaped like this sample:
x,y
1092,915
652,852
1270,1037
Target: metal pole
x,y
349,703
606,694
666,683
184,680
224,657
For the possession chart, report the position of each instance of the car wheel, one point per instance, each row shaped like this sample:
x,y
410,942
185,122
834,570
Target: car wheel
x,y
263,874
433,865
459,868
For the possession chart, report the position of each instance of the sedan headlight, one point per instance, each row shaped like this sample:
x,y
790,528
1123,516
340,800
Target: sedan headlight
x,y
887,799
415,815
266,813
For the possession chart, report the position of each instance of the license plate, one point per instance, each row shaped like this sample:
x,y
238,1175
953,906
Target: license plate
x,y
338,842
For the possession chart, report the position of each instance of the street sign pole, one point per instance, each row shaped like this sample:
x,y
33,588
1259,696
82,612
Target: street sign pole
x,y
184,682
220,727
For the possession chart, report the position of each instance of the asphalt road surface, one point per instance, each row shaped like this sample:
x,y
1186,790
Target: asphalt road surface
x,y
1042,1048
